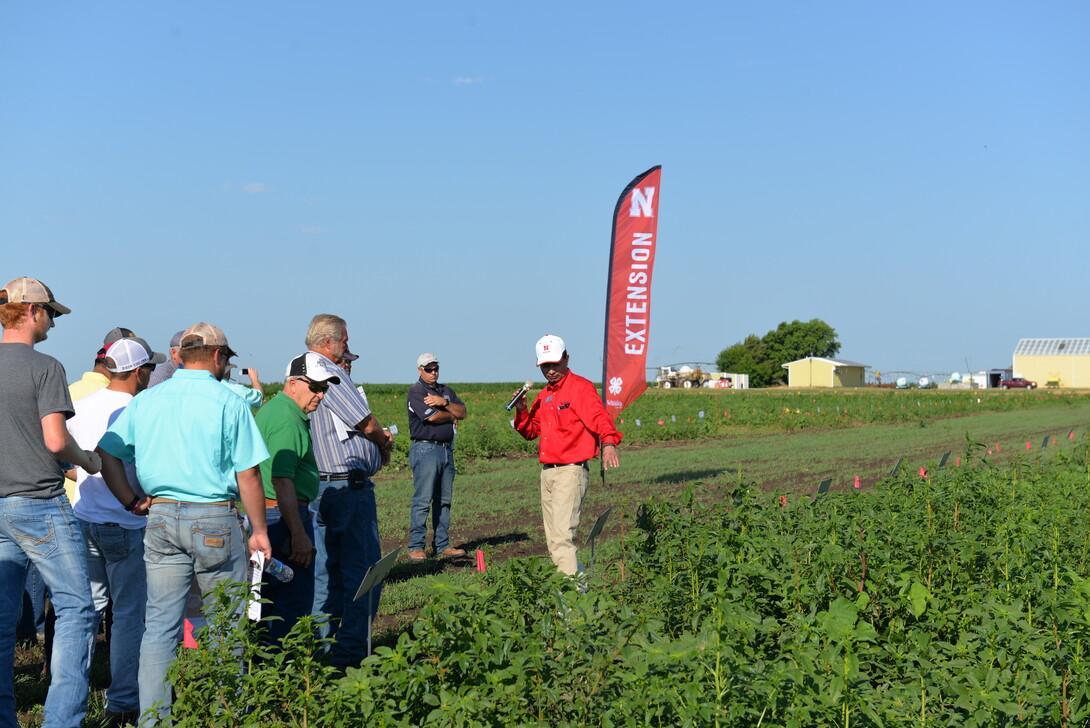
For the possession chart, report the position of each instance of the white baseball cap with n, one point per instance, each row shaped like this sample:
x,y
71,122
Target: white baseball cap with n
x,y
424,359
550,349
129,354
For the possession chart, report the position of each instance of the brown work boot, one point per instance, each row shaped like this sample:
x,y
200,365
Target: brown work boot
x,y
451,551
417,555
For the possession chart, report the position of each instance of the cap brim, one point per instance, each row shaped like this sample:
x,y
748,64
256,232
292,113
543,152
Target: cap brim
x,y
60,309
157,358
549,361
332,379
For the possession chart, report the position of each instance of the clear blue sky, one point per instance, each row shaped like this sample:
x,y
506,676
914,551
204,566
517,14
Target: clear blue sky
x,y
443,174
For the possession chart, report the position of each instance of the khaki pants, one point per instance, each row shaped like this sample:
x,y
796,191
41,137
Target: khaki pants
x,y
562,492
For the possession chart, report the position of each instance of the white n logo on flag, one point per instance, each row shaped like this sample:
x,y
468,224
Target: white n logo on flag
x,y
642,199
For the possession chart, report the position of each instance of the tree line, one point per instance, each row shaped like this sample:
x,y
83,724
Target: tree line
x,y
763,357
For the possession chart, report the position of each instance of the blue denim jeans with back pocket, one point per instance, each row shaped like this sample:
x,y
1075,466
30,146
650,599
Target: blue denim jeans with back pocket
x,y
44,532
347,539
115,562
182,541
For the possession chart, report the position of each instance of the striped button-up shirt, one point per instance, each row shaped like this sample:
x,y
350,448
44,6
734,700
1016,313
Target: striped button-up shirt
x,y
338,446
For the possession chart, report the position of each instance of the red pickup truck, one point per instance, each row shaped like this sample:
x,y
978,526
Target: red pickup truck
x,y
1017,383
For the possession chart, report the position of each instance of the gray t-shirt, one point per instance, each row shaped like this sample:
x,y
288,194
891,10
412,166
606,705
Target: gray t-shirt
x,y
32,385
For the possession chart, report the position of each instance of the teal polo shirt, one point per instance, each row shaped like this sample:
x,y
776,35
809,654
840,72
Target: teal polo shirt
x,y
188,437
287,436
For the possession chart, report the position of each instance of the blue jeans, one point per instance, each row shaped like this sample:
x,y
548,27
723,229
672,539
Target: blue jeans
x,y
433,488
347,529
293,599
44,531
33,620
182,541
115,562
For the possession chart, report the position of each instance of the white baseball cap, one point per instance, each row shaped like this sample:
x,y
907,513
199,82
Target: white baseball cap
x,y
131,353
311,366
550,349
424,359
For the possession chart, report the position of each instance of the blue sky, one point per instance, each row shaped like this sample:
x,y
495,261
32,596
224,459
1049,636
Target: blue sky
x,y
443,175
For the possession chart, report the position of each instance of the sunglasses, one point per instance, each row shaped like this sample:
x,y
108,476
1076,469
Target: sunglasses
x,y
431,370
149,367
315,387
53,313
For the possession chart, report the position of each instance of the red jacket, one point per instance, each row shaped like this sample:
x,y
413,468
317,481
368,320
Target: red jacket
x,y
570,419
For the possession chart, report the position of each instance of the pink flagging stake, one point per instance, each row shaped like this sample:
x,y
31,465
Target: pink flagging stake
x,y
989,452
923,472
480,560
1029,446
997,447
1071,435
783,501
957,462
188,640
857,481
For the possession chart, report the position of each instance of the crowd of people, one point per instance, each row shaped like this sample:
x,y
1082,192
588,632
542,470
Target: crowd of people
x,y
159,450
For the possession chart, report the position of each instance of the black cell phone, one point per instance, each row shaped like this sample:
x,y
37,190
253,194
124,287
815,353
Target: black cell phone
x,y
244,372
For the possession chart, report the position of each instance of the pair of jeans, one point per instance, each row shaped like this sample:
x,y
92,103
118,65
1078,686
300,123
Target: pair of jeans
x,y
433,489
182,541
347,531
294,599
115,562
44,531
32,623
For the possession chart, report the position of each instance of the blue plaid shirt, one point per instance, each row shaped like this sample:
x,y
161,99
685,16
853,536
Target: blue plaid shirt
x,y
334,452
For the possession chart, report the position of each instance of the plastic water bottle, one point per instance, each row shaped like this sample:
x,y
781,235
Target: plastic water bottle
x,y
280,570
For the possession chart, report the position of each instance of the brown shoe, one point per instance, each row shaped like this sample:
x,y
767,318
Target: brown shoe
x,y
451,551
417,555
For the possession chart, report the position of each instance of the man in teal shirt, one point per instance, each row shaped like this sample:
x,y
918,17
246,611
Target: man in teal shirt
x,y
290,477
196,448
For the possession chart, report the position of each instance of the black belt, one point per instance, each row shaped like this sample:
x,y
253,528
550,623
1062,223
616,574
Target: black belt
x,y
546,466
436,442
357,479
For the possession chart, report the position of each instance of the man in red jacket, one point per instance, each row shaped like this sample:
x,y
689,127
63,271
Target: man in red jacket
x,y
569,417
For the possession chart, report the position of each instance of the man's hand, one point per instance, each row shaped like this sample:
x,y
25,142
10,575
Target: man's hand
x,y
260,542
609,457
520,403
434,400
302,550
142,508
94,462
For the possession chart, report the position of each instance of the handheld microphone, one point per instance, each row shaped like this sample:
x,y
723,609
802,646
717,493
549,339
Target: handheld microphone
x,y
520,394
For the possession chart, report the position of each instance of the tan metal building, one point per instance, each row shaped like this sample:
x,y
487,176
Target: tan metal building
x,y
1053,362
815,371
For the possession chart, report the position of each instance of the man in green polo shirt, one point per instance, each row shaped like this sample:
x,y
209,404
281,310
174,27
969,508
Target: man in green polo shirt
x,y
290,477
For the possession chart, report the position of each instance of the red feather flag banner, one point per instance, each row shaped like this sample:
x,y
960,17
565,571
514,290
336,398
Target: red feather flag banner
x,y
628,292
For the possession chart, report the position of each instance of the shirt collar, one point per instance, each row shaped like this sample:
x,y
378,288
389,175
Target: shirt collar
x,y
292,406
556,387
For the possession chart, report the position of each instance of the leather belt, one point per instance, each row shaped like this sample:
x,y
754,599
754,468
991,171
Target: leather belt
x,y
547,466
273,503
229,503
330,477
441,443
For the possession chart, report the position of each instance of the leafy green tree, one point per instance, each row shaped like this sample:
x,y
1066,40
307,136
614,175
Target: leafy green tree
x,y
762,358
798,339
747,357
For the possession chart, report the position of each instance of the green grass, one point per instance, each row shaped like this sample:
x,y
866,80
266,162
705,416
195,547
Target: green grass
x,y
496,501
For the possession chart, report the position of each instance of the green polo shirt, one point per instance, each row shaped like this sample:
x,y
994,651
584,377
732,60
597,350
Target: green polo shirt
x,y
286,431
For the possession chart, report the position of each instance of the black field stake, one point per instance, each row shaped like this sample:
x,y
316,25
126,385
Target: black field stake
x,y
945,457
597,529
896,468
1044,442
375,576
823,488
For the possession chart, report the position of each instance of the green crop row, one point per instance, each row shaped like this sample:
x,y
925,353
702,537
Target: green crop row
x,y
957,598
